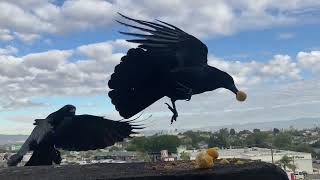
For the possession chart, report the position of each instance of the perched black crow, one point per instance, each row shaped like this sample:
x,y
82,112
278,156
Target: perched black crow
x,y
168,62
63,129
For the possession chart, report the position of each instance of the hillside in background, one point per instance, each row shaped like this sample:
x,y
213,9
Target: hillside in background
x,y
8,139
302,123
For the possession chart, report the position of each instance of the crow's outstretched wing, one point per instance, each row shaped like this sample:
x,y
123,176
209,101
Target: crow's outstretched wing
x,y
42,131
87,132
167,40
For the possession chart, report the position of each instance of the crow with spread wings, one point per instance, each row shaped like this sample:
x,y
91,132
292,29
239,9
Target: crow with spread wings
x,y
63,129
168,62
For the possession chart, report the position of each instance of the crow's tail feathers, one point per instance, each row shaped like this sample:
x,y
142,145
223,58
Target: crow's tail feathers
x,y
132,70
131,83
131,102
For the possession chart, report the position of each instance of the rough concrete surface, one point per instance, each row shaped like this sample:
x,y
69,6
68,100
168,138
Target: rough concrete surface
x,y
164,170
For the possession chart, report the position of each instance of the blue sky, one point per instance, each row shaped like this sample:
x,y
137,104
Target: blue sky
x,y
54,53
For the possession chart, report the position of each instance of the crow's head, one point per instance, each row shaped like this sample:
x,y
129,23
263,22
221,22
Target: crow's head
x,y
229,84
66,111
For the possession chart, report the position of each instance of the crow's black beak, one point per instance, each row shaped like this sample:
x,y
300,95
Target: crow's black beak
x,y
233,88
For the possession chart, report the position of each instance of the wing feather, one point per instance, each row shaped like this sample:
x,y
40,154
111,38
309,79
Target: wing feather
x,y
151,37
158,27
188,50
88,132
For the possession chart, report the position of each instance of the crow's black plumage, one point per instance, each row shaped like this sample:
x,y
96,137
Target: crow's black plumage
x,y
63,129
168,62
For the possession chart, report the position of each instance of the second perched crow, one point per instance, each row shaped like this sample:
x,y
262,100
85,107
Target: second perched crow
x,y
63,129
168,62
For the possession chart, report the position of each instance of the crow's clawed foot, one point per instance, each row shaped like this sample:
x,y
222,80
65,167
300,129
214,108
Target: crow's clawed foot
x,y
183,92
174,111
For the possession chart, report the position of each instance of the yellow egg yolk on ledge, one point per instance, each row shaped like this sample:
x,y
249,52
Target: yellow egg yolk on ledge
x,y
204,161
213,153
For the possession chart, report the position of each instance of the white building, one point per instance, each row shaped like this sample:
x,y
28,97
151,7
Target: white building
x,y
303,161
137,135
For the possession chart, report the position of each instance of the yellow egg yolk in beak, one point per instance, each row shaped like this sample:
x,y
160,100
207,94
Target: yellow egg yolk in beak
x,y
241,96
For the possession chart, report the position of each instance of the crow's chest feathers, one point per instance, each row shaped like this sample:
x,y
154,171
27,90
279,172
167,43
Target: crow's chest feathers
x,y
196,78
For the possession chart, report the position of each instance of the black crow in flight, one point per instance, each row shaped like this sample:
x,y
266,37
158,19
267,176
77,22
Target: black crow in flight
x,y
63,129
168,62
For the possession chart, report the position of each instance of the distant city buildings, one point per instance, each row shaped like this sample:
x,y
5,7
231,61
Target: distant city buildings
x,y
118,154
11,147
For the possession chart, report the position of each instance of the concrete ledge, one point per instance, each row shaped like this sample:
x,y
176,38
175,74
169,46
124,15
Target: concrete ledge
x,y
171,170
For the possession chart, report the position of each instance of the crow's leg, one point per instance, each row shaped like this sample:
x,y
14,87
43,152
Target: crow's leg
x,y
182,92
56,157
173,109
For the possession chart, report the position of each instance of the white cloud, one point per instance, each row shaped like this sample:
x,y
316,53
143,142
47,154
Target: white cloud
x,y
27,38
265,103
8,50
280,68
101,50
54,72
22,102
96,51
5,35
87,12
57,73
49,60
223,17
24,20
309,60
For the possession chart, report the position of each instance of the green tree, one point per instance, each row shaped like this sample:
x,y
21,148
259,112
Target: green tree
x,y
283,140
316,144
286,162
235,141
232,132
219,139
259,139
196,137
185,156
303,147
2,151
114,148
276,131
154,143
316,155
256,130
244,132
132,147
145,157
187,141
137,144
224,132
